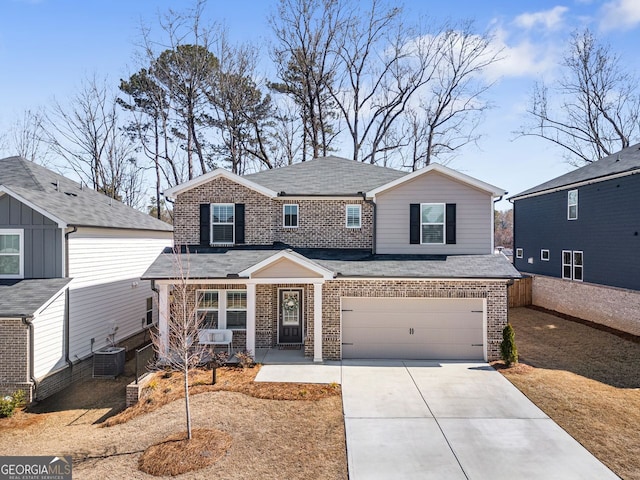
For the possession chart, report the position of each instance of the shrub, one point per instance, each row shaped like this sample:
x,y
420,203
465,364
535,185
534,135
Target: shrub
x,y
508,349
9,403
245,359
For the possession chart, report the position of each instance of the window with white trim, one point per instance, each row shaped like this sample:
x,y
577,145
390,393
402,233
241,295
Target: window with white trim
x,y
222,223
572,205
290,216
544,255
208,308
577,266
149,313
353,216
222,309
573,265
236,309
11,254
432,223
519,253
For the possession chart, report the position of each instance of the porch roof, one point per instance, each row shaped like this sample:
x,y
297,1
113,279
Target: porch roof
x,y
217,263
23,298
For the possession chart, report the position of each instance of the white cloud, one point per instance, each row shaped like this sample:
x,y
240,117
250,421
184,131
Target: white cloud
x,y
620,15
550,19
523,58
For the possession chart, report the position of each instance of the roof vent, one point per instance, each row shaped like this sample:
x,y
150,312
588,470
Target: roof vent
x,y
71,194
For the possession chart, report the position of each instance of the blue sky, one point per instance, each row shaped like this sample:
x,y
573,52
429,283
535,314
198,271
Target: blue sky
x,y
48,46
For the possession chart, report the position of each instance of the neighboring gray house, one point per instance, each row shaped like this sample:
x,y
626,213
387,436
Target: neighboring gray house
x,y
70,266
345,259
579,236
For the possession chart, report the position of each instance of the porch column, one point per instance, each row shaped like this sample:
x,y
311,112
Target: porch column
x,y
251,318
163,318
317,322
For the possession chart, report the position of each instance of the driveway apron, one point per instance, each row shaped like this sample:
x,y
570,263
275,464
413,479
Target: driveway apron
x,y
451,420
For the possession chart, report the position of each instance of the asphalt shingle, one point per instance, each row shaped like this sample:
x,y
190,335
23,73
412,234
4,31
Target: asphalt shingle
x,y
68,201
626,160
22,298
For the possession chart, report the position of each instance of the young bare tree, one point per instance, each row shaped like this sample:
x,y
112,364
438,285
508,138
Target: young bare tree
x,y
593,110
179,350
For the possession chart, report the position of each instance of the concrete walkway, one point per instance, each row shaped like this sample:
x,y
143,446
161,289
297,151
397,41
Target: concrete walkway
x,y
444,420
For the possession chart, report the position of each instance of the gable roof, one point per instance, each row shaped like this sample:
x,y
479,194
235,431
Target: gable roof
x,y
66,202
172,192
624,162
435,167
332,176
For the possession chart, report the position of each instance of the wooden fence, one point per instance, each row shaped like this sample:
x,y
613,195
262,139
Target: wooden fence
x,y
520,292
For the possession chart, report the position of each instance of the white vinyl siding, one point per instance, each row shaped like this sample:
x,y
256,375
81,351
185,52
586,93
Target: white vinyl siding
x,y
48,338
474,216
106,290
353,214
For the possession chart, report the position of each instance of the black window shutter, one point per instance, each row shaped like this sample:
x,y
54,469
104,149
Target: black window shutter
x,y
414,223
451,223
205,224
239,220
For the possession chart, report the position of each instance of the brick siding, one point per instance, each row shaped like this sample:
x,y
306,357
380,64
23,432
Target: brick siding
x,y
321,223
614,307
14,357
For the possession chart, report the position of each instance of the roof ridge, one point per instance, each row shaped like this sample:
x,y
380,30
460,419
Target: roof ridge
x,y
26,164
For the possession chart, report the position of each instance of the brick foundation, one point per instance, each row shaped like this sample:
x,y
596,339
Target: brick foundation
x,y
617,308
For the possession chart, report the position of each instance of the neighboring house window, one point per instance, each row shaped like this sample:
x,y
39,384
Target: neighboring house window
x,y
573,265
577,266
11,254
290,216
432,223
572,205
519,253
222,223
208,308
544,255
149,315
354,217
237,310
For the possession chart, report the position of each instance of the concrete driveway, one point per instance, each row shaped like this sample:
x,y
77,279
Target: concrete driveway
x,y
448,420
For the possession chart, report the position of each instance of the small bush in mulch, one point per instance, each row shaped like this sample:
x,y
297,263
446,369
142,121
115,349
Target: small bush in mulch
x,y
176,455
508,349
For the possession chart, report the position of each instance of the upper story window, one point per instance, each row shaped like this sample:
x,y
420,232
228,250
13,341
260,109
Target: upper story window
x,y
572,205
353,216
290,216
519,253
433,221
11,254
222,223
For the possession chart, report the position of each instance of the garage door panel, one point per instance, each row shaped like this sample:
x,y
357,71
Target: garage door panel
x,y
412,328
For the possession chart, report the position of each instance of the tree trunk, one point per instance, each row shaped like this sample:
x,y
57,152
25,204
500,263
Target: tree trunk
x,y
186,402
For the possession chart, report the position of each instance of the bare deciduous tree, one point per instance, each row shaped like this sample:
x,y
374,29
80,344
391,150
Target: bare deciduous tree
x,y
593,110
27,137
179,349
86,133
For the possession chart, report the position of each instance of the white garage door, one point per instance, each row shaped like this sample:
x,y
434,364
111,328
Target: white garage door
x,y
413,328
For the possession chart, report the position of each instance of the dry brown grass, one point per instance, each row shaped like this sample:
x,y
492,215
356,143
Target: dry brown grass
x,y
586,380
176,454
166,388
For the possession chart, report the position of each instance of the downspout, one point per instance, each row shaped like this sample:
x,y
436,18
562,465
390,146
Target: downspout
x,y
67,300
375,210
493,214
27,321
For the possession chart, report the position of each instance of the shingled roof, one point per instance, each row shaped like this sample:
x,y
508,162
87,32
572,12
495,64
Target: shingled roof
x,y
22,298
626,160
325,176
65,200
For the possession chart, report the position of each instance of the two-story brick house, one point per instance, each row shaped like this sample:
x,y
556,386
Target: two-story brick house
x,y
350,260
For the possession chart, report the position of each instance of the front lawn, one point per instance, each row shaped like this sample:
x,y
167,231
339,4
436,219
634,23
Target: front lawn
x,y
586,380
